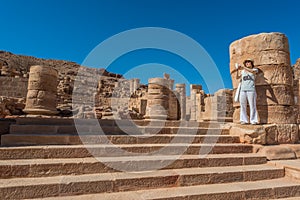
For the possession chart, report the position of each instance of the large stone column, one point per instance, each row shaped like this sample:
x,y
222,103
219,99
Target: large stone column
x,y
274,83
42,89
180,89
158,98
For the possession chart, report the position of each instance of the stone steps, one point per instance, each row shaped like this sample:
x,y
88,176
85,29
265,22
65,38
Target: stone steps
x,y
65,139
291,167
43,131
264,189
111,130
108,150
31,134
120,182
66,166
108,122
134,160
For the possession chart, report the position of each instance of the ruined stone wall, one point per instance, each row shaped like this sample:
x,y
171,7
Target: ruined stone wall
x,y
13,87
218,107
13,66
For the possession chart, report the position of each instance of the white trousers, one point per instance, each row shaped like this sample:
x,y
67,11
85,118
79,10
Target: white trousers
x,y
249,96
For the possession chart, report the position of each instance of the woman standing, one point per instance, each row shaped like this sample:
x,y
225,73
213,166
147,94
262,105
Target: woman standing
x,y
247,92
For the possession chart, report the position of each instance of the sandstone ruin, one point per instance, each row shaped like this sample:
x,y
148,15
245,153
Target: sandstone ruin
x,y
195,139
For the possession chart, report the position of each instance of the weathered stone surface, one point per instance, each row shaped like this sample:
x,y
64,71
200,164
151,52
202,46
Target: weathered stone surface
x,y
297,99
265,41
249,134
11,106
274,82
218,106
181,91
42,87
271,114
264,48
158,83
12,87
161,100
268,95
4,126
288,133
296,149
270,74
278,152
275,95
271,134
274,74
173,106
194,112
296,69
276,114
266,134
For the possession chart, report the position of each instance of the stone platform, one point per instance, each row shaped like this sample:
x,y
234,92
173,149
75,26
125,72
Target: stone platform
x,y
227,169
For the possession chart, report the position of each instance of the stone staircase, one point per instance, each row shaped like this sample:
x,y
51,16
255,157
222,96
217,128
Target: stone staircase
x,y
179,161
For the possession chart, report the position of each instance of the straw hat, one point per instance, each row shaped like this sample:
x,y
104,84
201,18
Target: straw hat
x,y
248,59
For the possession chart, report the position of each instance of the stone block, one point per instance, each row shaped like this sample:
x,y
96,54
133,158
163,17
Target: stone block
x,y
4,126
275,95
195,87
278,152
271,114
274,74
276,114
261,42
288,133
159,82
272,95
266,134
270,74
296,149
264,48
249,134
271,134
43,85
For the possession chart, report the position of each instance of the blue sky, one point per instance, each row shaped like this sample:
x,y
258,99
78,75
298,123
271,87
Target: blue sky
x,y
71,29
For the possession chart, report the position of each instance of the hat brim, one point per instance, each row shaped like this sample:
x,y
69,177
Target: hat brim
x,y
248,61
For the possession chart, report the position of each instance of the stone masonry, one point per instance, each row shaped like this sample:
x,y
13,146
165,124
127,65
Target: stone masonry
x,y
296,71
274,82
42,86
274,87
218,107
181,95
182,160
158,98
194,90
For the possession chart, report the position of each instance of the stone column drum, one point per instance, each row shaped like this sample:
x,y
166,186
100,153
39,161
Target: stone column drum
x,y
180,89
274,82
173,106
42,89
134,85
158,98
194,90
